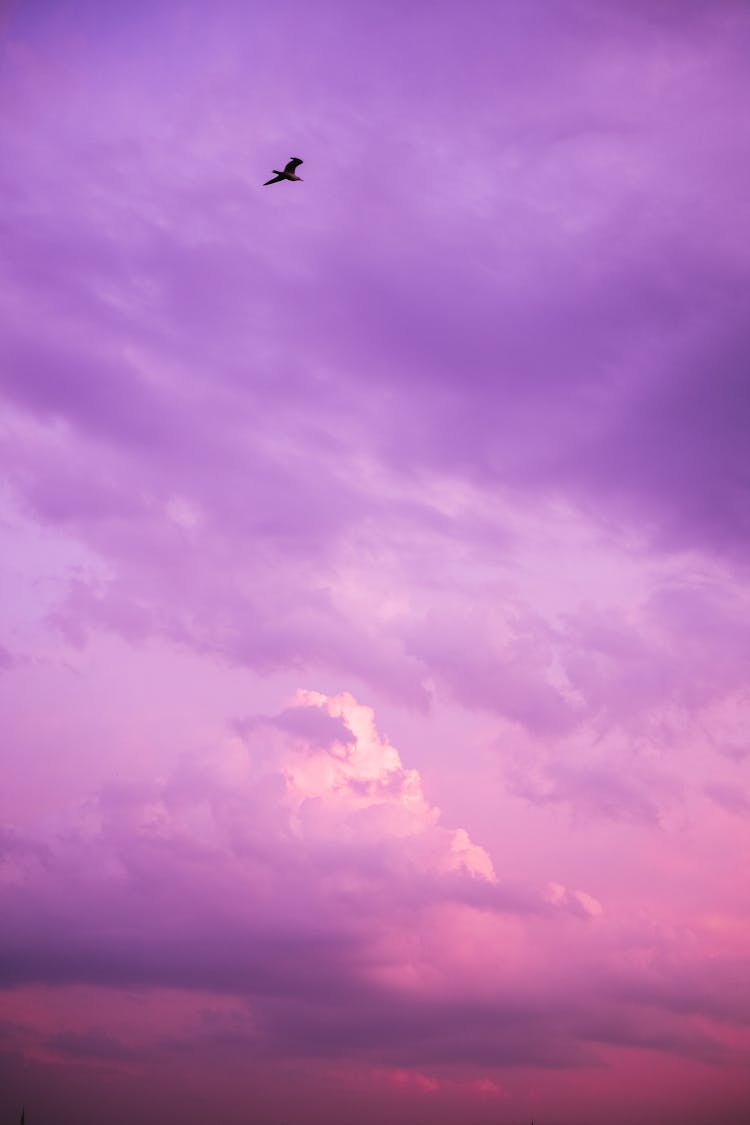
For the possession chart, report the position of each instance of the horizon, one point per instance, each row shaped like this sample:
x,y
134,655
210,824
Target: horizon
x,y
374,562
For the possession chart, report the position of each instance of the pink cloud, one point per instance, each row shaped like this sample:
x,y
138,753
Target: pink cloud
x,y
457,429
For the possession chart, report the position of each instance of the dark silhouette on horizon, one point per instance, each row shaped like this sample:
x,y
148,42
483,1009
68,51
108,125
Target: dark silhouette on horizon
x,y
23,1108
289,173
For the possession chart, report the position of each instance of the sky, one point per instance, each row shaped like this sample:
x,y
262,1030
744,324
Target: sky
x,y
375,562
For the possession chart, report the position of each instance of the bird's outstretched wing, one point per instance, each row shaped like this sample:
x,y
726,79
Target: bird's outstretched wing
x,y
293,164
275,180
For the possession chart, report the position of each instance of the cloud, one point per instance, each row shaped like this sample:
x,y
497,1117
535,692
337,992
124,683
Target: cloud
x,y
584,776
300,869
586,903
287,847
499,661
459,428
307,721
731,799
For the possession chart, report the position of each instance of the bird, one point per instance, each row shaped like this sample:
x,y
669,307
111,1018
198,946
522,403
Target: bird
x,y
289,173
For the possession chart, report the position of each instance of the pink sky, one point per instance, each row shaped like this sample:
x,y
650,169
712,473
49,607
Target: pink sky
x,y
374,568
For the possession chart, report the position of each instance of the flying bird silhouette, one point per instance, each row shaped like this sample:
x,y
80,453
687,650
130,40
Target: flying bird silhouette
x,y
289,173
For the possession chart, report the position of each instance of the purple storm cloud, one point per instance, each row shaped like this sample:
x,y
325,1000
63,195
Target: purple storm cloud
x,y
375,635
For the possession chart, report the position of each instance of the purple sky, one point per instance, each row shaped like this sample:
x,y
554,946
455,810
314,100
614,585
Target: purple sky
x,y
375,562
